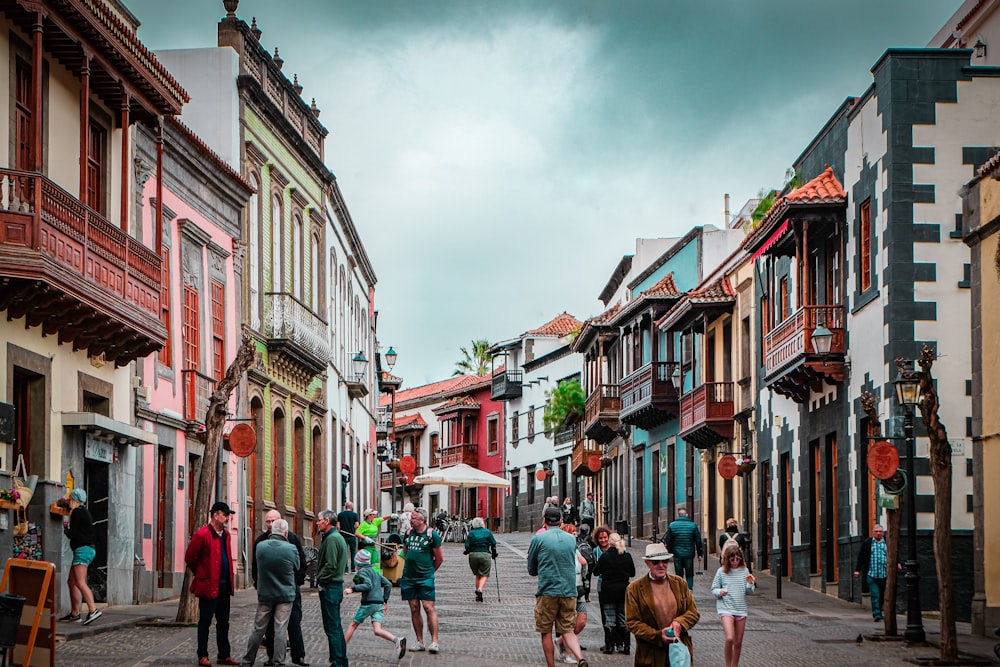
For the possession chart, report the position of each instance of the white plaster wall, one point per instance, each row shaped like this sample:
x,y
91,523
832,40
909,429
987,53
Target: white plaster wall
x,y
718,245
63,383
209,77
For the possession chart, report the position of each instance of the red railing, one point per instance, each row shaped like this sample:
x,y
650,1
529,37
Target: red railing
x,y
467,453
197,390
653,380
792,339
712,401
40,215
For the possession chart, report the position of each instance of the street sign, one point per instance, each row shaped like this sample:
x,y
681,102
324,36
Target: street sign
x,y
727,466
883,459
242,440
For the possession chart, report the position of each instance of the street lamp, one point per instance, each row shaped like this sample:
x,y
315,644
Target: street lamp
x,y
907,384
390,361
358,365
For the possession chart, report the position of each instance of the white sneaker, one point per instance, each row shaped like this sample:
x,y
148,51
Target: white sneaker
x,y
418,647
434,648
568,659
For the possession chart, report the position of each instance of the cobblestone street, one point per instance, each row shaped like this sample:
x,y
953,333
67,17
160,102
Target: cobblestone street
x,y
803,628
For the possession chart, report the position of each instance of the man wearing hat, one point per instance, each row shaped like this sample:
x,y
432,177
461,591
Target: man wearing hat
x,y
659,609
210,558
552,558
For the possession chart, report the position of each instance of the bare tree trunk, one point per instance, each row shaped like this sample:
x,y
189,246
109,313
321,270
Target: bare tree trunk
x,y
215,421
868,404
940,456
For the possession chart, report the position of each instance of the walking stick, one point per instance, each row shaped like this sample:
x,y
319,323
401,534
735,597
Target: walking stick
x,y
496,573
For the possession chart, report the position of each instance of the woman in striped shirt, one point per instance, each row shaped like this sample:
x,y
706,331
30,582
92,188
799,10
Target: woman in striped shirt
x,y
730,586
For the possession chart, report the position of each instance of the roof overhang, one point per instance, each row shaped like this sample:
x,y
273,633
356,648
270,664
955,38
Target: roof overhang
x,y
99,425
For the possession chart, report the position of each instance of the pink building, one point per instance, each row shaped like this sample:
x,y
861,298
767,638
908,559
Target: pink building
x,y
203,202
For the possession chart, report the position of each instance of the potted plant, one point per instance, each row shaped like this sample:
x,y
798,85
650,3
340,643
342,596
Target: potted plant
x,y
9,498
60,507
565,406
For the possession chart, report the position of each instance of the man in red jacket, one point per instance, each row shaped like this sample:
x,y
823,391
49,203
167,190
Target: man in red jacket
x,y
210,558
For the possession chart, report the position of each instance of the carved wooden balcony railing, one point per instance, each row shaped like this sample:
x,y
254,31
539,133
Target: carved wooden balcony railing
x,y
385,480
707,414
198,389
292,328
600,421
467,453
586,459
791,365
569,435
69,270
649,395
506,385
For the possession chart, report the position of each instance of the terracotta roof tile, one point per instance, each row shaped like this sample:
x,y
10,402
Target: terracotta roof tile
x,y
594,323
718,291
667,287
991,167
561,325
458,403
410,422
825,189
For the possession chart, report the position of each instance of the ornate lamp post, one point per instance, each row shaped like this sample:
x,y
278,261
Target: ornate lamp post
x,y
908,395
390,361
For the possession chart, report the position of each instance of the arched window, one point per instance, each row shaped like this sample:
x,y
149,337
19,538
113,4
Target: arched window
x,y
332,313
253,254
277,279
298,265
314,258
278,440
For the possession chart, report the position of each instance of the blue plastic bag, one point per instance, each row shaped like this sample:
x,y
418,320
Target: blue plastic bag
x,y
677,653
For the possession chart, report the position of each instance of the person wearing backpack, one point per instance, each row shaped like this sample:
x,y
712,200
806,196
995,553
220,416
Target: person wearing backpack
x,y
732,532
423,553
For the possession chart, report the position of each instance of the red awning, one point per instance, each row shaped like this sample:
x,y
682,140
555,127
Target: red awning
x,y
774,238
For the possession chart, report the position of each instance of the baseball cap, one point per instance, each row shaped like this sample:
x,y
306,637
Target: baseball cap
x,y
553,516
220,506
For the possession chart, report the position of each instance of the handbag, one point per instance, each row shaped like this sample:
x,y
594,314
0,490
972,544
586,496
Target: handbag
x,y
21,525
23,483
678,654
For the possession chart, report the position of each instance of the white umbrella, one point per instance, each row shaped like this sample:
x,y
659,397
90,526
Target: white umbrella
x,y
463,476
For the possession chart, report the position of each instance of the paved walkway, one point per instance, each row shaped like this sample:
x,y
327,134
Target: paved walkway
x,y
802,628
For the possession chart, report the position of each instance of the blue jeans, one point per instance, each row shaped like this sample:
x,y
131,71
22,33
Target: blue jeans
x,y
330,597
876,587
684,567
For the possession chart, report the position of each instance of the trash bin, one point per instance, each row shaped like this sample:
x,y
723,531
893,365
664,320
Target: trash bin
x,y
10,618
393,523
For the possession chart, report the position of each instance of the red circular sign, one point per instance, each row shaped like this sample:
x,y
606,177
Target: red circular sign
x,y
883,459
408,464
540,474
594,462
727,466
243,440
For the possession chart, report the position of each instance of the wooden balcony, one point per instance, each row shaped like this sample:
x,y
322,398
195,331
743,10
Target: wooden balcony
x,y
466,453
791,366
600,421
298,333
67,269
383,423
198,389
707,414
569,435
649,396
583,455
385,480
506,385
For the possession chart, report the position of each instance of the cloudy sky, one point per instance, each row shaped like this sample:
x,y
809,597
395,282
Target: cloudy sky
x,y
499,158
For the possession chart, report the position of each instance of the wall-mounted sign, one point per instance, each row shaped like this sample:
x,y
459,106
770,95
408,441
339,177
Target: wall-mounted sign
x,y
98,450
727,466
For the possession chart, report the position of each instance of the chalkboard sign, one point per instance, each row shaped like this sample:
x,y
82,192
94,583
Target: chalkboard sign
x,y
36,635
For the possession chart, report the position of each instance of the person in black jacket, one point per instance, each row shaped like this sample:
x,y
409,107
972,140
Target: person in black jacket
x,y
732,532
296,645
80,531
615,568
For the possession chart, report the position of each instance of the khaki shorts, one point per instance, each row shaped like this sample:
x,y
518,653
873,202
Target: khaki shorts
x,y
560,611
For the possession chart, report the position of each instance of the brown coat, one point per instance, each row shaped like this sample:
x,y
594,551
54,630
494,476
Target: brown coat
x,y
640,616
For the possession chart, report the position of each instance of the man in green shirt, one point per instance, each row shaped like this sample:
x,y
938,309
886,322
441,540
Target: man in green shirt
x,y
330,578
423,553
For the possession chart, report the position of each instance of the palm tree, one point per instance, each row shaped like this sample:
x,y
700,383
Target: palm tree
x,y
476,362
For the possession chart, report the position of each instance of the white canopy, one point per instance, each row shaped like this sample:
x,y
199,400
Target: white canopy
x,y
462,476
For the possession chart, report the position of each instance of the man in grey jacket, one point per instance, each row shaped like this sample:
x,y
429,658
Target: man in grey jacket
x,y
277,560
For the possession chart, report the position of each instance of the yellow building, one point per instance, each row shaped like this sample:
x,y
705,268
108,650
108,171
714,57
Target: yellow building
x,y
981,224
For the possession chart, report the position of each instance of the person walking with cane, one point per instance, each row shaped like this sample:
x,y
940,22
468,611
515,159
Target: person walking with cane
x,y
481,547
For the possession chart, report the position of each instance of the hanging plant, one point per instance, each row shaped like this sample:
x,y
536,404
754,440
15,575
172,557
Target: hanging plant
x,y
565,406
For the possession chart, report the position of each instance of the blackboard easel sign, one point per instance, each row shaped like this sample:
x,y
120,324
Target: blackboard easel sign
x,y
36,637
